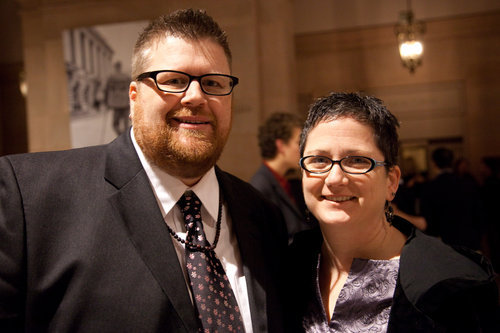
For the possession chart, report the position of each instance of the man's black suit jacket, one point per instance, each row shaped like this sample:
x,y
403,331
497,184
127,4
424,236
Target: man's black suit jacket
x,y
84,247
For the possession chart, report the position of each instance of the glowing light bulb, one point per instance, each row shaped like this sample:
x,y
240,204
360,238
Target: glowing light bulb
x,y
411,49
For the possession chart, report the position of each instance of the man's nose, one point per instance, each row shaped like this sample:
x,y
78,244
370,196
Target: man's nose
x,y
194,95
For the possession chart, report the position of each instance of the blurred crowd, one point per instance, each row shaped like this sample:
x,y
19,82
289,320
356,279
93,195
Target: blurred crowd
x,y
450,202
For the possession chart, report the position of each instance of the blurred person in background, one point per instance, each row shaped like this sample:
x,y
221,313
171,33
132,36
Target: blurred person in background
x,y
451,206
279,148
490,193
407,202
116,97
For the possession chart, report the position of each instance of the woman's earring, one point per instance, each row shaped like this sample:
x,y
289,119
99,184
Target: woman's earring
x,y
310,219
389,212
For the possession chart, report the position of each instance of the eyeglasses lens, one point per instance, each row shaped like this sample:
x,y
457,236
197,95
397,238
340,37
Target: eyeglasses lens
x,y
171,81
217,84
356,164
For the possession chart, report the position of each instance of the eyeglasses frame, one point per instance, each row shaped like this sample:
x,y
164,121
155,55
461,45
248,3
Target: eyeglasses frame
x,y
375,164
153,74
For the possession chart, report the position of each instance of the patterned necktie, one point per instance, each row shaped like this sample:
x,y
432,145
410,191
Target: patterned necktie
x,y
217,308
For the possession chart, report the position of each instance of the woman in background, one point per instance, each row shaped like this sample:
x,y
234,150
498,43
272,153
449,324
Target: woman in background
x,y
367,270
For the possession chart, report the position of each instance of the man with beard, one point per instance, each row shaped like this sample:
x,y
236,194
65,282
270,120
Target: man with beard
x,y
94,239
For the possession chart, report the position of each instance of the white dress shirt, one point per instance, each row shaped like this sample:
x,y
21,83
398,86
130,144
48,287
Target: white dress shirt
x,y
168,190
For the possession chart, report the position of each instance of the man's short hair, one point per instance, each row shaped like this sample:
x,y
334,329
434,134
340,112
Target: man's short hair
x,y
279,125
443,158
188,24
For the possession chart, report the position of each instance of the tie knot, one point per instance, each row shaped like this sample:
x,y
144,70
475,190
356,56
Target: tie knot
x,y
190,206
189,202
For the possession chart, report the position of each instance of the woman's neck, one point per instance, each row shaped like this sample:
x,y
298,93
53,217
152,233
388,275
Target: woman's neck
x,y
342,245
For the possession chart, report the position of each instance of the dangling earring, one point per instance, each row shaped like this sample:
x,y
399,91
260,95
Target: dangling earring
x,y
310,219
389,212
308,216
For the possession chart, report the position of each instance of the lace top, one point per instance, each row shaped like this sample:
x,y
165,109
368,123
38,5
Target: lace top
x,y
364,302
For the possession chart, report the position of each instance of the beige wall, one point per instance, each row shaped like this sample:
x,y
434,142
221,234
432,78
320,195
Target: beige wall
x,y
452,95
262,45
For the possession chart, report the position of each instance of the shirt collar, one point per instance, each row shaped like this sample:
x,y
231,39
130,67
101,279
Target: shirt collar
x,y
168,189
282,180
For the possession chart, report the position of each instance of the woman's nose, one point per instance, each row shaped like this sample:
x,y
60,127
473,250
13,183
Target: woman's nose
x,y
335,176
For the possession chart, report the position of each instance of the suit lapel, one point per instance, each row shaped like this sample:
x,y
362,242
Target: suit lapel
x,y
252,256
136,205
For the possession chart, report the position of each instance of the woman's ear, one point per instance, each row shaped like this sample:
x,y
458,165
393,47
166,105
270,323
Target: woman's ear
x,y
393,176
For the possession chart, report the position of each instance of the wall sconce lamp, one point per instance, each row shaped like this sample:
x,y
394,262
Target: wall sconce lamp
x,y
23,85
408,32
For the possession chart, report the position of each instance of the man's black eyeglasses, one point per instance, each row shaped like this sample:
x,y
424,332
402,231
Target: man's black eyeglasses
x,y
177,82
349,164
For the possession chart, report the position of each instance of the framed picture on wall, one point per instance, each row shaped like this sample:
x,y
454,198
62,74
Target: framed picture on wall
x,y
98,66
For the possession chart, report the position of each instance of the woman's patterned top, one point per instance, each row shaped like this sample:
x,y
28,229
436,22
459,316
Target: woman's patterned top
x,y
364,302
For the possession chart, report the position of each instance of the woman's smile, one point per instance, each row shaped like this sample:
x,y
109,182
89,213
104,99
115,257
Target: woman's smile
x,y
338,198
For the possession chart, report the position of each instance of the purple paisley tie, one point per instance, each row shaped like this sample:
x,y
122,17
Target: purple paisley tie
x,y
215,302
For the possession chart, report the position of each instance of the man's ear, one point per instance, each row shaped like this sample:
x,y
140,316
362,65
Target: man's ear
x,y
132,96
279,145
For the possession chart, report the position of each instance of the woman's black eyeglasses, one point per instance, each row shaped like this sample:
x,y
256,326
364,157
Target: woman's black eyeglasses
x,y
351,164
